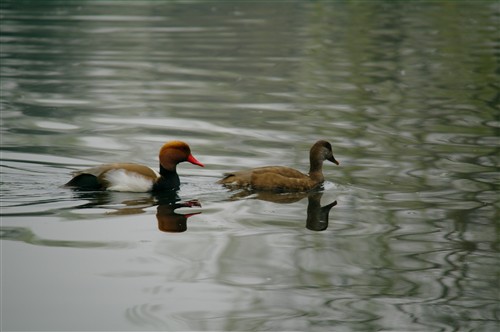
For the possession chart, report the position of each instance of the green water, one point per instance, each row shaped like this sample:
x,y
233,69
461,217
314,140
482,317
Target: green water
x,y
406,92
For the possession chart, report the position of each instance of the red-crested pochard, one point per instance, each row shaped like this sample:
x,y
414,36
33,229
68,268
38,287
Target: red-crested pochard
x,y
134,177
284,179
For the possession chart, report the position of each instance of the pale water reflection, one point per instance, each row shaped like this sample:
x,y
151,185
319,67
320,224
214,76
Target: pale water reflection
x,y
404,235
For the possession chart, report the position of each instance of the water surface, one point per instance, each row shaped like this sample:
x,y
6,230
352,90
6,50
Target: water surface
x,y
407,93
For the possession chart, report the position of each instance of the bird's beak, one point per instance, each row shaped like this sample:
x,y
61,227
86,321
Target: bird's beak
x,y
194,161
333,160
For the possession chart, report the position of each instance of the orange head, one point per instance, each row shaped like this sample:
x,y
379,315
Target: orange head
x,y
174,152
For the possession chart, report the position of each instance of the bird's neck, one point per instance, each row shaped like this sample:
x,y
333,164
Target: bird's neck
x,y
316,169
168,180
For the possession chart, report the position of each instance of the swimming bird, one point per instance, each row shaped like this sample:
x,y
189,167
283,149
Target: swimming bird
x,y
135,177
284,179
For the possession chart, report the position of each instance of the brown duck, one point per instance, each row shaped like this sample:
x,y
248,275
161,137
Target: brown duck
x,y
284,179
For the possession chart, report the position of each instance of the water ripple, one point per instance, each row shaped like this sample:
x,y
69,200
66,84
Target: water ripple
x,y
406,94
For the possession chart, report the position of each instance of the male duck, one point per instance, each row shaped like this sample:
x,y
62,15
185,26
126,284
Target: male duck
x,y
134,177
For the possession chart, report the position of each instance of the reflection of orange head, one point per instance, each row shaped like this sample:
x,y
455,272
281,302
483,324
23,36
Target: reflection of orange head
x,y
169,221
174,152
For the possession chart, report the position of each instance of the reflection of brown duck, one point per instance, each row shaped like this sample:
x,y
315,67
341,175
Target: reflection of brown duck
x,y
270,196
284,179
317,216
134,177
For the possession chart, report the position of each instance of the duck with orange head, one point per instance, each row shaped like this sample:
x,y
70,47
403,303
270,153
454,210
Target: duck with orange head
x,y
132,177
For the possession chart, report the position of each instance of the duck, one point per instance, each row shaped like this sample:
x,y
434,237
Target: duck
x,y
283,179
131,177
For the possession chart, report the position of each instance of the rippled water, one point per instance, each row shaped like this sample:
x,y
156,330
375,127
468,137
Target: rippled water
x,y
407,93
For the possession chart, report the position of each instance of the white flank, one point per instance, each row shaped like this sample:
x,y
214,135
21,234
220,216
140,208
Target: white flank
x,y
122,180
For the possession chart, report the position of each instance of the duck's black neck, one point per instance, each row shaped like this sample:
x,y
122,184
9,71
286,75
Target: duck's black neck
x,y
169,180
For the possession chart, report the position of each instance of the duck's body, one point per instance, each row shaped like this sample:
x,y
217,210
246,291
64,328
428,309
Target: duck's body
x,y
284,179
135,177
271,178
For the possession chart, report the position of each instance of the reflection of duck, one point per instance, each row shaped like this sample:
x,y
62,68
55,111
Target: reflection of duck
x,y
127,204
168,219
284,179
134,177
121,203
317,216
